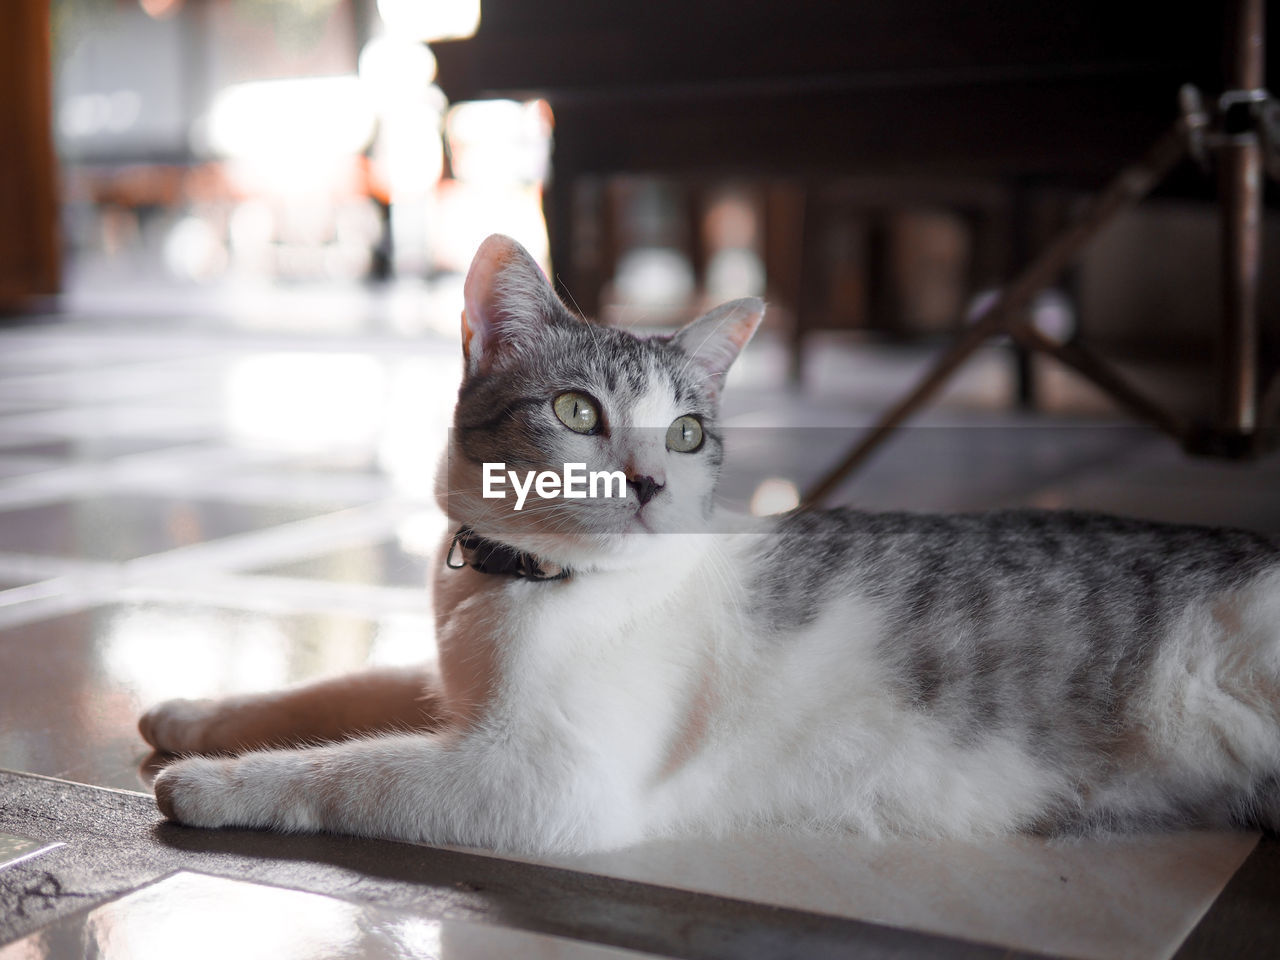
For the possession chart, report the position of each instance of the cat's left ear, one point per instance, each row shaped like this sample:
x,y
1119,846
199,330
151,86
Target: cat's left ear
x,y
714,340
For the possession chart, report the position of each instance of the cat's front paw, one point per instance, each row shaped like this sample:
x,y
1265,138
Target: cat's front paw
x,y
181,726
259,790
198,792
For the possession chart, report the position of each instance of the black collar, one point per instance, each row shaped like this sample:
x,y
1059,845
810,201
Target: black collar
x,y
469,549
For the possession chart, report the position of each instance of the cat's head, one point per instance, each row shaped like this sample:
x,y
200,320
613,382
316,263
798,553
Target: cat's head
x,y
542,389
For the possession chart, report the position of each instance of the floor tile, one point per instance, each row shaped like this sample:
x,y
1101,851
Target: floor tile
x,y
65,345
198,916
72,687
123,526
387,562
18,404
61,450
176,417
15,849
27,354
10,580
23,466
20,443
1110,899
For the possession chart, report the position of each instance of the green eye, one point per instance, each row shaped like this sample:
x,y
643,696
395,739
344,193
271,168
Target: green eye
x,y
577,411
684,435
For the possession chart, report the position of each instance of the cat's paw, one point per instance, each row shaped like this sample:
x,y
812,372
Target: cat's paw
x,y
257,790
182,726
198,792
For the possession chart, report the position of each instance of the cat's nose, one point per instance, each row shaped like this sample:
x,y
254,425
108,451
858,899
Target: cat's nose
x,y
646,488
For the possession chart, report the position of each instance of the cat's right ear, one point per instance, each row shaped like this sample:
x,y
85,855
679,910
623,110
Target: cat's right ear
x,y
506,299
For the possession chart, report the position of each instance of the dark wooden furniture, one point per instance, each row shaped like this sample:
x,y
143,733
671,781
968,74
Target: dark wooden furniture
x,y
800,90
807,89
29,253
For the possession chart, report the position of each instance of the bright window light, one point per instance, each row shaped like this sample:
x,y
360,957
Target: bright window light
x,y
300,119
397,69
431,19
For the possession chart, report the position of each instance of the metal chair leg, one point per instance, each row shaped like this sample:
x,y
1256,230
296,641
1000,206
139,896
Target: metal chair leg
x,y
1239,157
1125,190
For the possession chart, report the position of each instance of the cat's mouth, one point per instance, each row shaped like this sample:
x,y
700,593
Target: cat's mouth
x,y
639,524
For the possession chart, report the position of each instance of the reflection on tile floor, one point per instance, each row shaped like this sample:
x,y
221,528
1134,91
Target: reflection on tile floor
x,y
127,526
199,917
73,712
387,562
173,523
15,849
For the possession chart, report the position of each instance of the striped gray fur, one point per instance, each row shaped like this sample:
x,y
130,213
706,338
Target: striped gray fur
x,y
1037,624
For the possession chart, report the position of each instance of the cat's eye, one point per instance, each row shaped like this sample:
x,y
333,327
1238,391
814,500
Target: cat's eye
x,y
684,435
577,411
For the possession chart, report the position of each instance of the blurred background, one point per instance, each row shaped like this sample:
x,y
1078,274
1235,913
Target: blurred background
x,y
210,151
872,170
326,168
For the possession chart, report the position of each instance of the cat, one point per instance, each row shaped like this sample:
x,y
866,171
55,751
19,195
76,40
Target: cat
x,y
619,668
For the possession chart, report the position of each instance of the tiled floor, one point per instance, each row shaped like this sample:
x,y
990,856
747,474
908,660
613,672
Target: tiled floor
x,y
190,909
197,507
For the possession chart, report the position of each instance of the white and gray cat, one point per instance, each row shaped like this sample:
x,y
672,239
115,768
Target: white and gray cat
x,y
613,668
